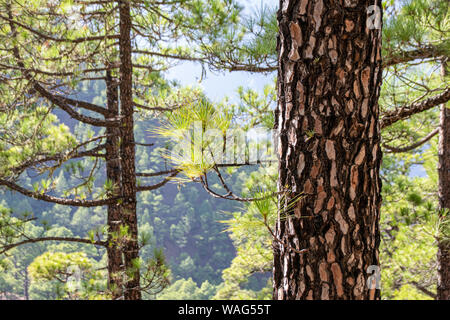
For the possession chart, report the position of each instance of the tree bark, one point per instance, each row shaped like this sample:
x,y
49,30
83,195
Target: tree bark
x,y
114,215
443,256
328,144
127,155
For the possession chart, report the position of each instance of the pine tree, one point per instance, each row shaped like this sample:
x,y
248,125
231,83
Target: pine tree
x,y
443,288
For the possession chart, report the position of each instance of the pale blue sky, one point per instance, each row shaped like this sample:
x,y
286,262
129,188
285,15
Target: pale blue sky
x,y
220,85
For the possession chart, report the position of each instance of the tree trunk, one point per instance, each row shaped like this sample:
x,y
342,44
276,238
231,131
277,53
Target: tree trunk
x,y
26,286
114,220
127,155
443,257
328,144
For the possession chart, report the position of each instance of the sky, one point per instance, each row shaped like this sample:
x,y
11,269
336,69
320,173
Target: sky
x,y
217,86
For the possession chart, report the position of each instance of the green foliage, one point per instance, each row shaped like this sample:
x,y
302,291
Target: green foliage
x,y
414,24
255,109
195,130
52,264
249,44
187,289
73,274
155,273
29,133
182,219
248,275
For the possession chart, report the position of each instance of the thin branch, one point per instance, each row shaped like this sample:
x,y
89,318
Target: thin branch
x,y
252,68
61,157
423,289
170,56
289,247
51,38
391,117
160,173
156,174
392,149
162,109
229,195
158,185
62,201
144,144
427,52
67,239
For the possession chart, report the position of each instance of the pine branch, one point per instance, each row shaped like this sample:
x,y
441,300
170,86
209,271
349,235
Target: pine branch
x,y
156,174
413,146
85,105
429,51
158,185
54,98
63,201
423,289
229,195
252,68
66,239
60,157
52,38
60,102
391,117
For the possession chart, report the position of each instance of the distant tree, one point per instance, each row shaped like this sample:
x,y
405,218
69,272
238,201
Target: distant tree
x,y
74,274
187,289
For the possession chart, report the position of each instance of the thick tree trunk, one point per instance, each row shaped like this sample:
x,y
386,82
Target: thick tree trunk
x,y
443,288
114,220
328,143
127,155
26,286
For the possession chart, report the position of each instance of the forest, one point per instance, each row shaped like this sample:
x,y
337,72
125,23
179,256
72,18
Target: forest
x,y
224,150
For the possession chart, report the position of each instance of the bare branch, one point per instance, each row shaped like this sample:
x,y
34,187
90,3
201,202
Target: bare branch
x,y
60,157
156,174
423,289
85,105
229,195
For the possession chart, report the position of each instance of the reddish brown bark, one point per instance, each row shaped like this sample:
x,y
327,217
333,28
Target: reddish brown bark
x,y
328,143
127,155
443,257
114,217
